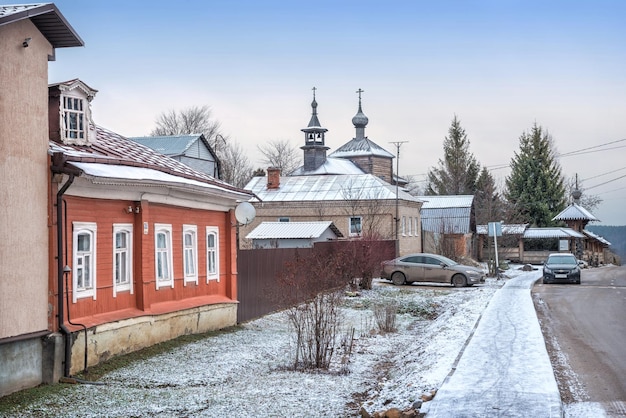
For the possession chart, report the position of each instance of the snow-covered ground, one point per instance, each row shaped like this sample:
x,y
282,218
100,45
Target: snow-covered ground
x,y
246,373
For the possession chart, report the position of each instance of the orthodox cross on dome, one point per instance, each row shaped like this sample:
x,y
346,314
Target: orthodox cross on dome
x,y
314,88
359,91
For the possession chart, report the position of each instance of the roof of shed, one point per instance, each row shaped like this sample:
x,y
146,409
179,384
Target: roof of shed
x,y
575,212
446,220
47,18
448,201
292,230
596,237
327,188
512,229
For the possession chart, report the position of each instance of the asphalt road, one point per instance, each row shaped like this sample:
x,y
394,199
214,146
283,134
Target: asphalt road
x,y
587,323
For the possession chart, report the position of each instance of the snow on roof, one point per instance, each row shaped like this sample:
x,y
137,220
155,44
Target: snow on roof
x,y
575,212
532,233
595,236
168,145
360,146
511,229
113,156
448,201
327,188
293,230
330,166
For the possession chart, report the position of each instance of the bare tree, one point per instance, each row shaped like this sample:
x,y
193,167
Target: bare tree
x,y
193,120
368,204
235,166
280,154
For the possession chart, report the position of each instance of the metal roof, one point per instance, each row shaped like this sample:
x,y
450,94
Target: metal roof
x,y
293,230
327,188
533,233
330,166
113,150
358,147
575,212
449,201
47,18
170,145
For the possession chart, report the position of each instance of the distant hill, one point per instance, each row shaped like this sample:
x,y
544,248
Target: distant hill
x,y
616,235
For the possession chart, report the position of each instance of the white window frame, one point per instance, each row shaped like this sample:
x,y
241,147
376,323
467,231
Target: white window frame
x,y
403,226
190,254
360,229
409,225
164,254
212,254
91,229
70,111
417,224
126,285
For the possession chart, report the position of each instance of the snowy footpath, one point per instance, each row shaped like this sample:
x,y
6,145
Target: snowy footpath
x,y
505,370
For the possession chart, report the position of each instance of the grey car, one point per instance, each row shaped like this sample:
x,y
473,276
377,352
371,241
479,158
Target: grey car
x,y
422,267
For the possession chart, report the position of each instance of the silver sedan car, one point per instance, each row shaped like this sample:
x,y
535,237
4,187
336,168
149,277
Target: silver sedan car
x,y
430,268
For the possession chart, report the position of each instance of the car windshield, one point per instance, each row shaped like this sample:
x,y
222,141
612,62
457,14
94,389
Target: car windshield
x,y
561,259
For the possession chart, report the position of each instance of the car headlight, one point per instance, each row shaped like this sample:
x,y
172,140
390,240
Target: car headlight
x,y
547,270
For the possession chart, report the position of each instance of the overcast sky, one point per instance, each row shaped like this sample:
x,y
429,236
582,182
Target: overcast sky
x,y
499,65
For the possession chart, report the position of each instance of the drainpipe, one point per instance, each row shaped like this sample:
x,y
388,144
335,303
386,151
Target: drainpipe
x,y
60,274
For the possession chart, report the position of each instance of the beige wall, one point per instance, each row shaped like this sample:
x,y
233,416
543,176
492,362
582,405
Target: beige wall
x,y
23,179
339,213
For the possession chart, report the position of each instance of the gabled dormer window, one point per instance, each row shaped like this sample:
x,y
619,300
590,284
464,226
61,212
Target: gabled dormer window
x,y
72,100
74,118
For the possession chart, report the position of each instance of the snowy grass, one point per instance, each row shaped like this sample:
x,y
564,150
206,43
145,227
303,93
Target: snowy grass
x,y
245,373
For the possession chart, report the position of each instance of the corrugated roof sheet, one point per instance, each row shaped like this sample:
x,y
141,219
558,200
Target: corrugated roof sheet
x,y
115,150
169,145
293,230
533,233
446,220
451,201
47,18
358,147
327,188
575,212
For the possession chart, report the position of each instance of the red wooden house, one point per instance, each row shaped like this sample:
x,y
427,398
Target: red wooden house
x,y
143,247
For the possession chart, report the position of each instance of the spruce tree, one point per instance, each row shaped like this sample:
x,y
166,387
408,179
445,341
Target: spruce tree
x,y
536,188
458,171
487,200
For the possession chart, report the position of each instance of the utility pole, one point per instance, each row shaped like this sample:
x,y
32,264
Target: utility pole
x,y
397,218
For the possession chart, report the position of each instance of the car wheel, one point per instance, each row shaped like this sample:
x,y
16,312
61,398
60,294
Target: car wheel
x,y
458,280
398,278
545,281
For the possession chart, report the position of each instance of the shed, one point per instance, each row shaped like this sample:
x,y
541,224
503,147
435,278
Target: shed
x,y
292,234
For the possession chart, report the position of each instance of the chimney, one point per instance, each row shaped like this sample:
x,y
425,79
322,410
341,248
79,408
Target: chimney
x,y
273,178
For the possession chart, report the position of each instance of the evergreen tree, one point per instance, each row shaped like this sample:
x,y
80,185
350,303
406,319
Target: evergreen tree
x,y
487,200
458,171
536,187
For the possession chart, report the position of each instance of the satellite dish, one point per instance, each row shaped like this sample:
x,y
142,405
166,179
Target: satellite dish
x,y
245,213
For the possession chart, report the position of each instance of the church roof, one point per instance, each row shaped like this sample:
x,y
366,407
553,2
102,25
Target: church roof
x,y
575,212
327,188
360,147
330,166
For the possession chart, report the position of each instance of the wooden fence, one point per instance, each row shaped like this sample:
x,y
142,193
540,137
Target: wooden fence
x,y
260,285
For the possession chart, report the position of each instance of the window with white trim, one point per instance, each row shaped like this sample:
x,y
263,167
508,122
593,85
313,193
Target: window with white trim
x,y
403,226
74,121
164,270
212,253
190,253
84,260
417,225
122,258
356,225
410,226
